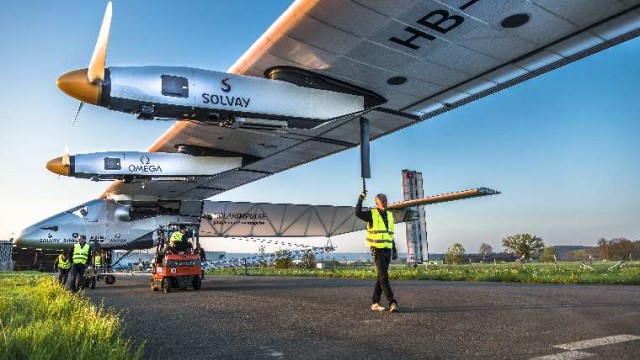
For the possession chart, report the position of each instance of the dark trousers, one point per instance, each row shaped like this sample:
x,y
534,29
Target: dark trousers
x,y
63,274
382,258
77,275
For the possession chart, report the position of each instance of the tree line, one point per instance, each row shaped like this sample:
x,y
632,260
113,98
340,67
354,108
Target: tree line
x,y
618,249
528,246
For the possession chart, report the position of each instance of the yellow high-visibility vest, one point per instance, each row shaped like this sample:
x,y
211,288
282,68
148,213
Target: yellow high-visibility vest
x,y
176,237
63,264
97,260
80,254
378,235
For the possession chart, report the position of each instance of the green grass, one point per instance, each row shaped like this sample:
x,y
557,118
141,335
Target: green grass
x,y
559,273
41,320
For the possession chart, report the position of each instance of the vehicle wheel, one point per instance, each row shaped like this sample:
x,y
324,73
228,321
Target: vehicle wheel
x,y
92,283
109,279
197,283
166,285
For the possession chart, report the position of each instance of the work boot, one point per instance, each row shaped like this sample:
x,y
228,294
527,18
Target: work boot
x,y
377,307
393,307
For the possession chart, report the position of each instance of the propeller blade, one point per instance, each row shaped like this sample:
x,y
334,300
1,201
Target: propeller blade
x,y
77,113
65,156
97,64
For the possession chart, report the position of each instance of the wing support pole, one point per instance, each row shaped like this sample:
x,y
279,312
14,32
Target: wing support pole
x,y
365,165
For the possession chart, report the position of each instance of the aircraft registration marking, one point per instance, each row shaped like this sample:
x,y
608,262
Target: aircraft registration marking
x,y
437,21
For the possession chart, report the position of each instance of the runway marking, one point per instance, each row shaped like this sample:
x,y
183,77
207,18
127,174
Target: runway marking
x,y
585,344
578,345
569,355
272,352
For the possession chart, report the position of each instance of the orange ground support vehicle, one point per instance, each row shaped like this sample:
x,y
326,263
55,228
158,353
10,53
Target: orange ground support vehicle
x,y
173,269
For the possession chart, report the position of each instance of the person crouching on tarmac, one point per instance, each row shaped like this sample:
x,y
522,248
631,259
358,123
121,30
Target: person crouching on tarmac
x,y
80,255
63,264
383,247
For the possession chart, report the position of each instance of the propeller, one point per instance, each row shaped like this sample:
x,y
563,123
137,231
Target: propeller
x,y
65,157
95,73
60,165
86,84
77,113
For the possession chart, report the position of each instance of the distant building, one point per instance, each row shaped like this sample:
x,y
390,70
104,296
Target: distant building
x,y
33,259
215,255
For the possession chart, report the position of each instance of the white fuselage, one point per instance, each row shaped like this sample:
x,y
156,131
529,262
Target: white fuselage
x,y
104,222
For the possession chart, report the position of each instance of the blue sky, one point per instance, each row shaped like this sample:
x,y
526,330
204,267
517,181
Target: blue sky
x,y
563,147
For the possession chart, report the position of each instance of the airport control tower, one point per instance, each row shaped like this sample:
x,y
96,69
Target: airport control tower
x,y
417,245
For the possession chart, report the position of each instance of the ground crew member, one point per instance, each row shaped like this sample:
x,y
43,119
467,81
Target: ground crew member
x,y
63,264
80,256
178,238
383,247
97,261
203,259
97,264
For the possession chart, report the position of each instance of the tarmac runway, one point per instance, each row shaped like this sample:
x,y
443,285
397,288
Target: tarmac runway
x,y
238,317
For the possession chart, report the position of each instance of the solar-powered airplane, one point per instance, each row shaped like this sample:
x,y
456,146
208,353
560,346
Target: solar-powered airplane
x,y
325,77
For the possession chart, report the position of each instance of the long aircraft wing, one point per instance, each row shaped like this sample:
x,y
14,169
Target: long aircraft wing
x,y
425,57
226,218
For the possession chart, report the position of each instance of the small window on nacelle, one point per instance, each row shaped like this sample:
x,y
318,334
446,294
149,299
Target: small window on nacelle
x,y
112,163
176,86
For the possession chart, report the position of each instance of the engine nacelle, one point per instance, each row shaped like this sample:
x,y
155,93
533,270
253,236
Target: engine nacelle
x,y
145,166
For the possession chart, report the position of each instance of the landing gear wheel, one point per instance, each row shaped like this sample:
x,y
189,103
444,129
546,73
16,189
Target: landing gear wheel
x,y
197,283
109,279
166,285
